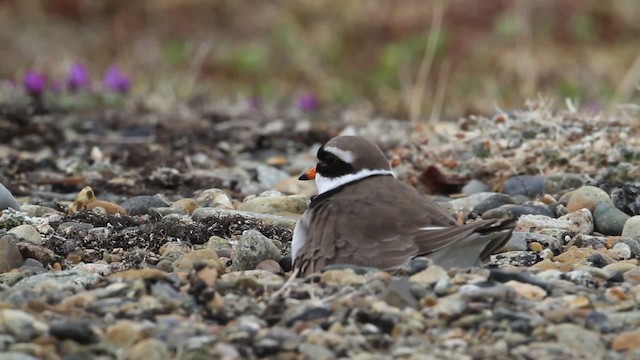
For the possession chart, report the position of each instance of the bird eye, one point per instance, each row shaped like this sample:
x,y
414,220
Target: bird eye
x,y
330,160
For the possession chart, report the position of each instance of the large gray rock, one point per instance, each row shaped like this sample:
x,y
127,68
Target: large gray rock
x,y
252,248
7,200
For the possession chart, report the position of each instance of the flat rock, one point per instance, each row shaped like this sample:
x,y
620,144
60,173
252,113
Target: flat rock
x,y
28,233
277,204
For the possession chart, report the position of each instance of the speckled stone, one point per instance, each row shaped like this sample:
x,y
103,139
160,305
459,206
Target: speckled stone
x,y
556,183
251,249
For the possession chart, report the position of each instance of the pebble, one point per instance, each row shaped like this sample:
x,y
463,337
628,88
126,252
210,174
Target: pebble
x,y
7,201
28,233
527,291
276,204
78,331
38,210
270,266
68,279
187,261
557,183
521,241
626,197
252,248
253,278
22,326
475,186
587,197
622,250
202,214
528,185
469,202
312,351
628,340
74,226
125,333
537,223
269,176
217,243
149,348
608,219
140,205
37,252
186,206
619,267
342,277
492,202
631,227
581,220
515,211
10,257
214,198
585,342
399,293
430,275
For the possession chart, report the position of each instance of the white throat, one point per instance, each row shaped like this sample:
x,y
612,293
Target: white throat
x,y
325,184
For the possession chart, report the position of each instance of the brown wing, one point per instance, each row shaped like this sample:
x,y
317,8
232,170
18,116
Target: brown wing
x,y
351,228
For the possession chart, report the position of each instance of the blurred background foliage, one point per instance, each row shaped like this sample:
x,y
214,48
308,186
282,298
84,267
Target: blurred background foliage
x,y
412,59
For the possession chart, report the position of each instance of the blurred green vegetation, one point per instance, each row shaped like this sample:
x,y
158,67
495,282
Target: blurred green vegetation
x,y
486,53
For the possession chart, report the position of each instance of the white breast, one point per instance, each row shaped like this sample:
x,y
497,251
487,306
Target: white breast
x,y
300,234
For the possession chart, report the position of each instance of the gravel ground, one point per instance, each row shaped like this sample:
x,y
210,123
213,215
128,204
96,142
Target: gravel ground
x,y
155,233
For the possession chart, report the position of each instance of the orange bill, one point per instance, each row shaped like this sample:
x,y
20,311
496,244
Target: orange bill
x,y
309,174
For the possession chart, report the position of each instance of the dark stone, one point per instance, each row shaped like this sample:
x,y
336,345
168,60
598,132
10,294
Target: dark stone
x,y
528,185
80,332
139,205
515,211
492,202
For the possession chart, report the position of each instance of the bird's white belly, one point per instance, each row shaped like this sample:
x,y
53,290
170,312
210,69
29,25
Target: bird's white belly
x,y
299,237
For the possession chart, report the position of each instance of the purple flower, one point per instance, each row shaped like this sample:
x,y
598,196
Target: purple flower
x,y
78,77
308,102
116,80
34,83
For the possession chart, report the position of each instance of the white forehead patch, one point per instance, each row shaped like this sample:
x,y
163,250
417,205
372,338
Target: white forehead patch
x,y
344,155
